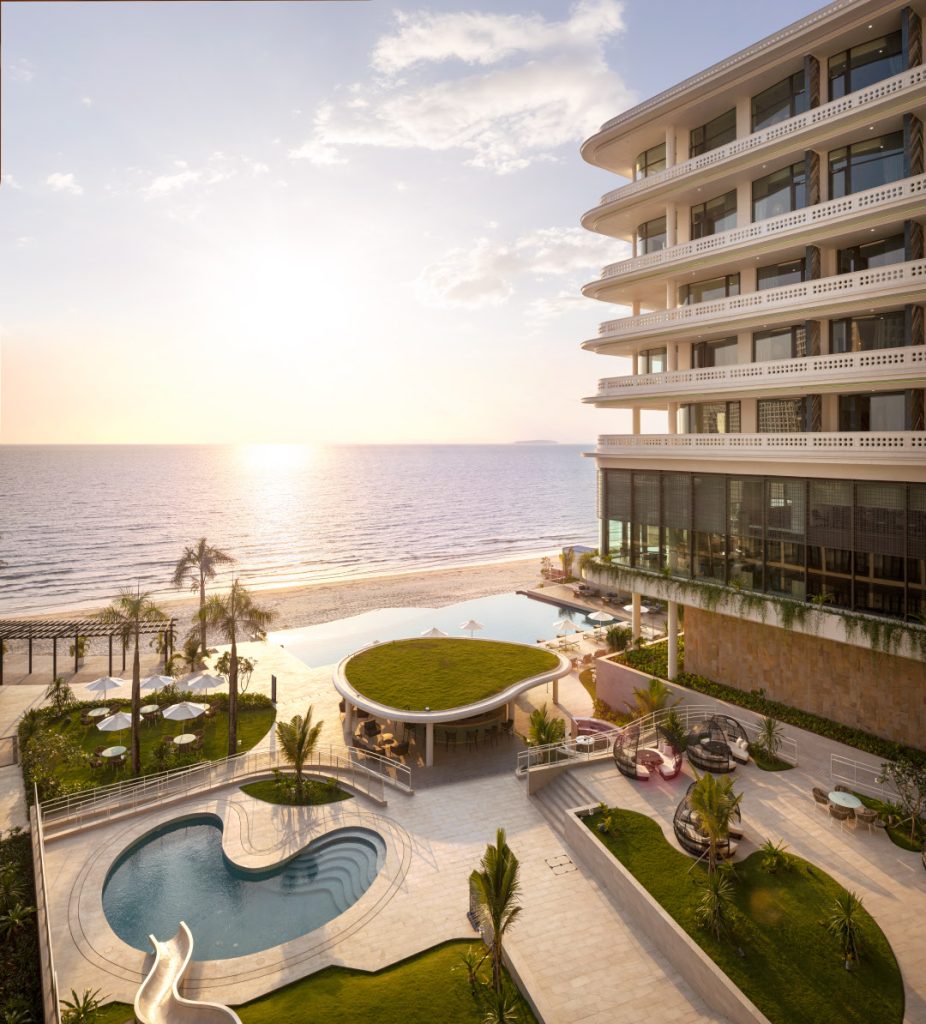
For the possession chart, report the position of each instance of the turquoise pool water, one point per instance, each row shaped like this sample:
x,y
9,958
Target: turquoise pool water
x,y
180,873
514,617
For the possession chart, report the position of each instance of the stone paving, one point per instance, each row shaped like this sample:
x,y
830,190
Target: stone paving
x,y
571,946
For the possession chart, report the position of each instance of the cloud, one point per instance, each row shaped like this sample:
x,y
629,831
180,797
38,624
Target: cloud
x,y
488,273
545,84
87,101
218,168
164,184
21,70
64,183
9,181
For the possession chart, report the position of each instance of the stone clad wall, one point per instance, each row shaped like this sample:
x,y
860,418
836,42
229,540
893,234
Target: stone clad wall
x,y
881,693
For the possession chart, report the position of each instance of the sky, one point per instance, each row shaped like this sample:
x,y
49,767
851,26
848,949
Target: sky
x,y
318,222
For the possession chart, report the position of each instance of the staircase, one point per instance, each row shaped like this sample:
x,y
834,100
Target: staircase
x,y
565,792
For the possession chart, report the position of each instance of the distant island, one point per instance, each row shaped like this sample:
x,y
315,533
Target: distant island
x,y
535,442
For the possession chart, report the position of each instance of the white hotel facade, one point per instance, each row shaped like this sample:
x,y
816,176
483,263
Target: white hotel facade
x,y
775,204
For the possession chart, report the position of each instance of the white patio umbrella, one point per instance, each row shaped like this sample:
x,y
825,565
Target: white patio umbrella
x,y
601,617
471,626
564,625
115,723
204,683
434,631
184,711
643,609
105,683
155,683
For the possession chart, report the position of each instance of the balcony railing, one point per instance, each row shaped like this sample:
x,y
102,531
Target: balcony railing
x,y
846,368
889,446
799,298
901,193
906,84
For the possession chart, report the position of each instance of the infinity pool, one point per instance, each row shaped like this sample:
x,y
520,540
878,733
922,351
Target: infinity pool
x,y
513,617
180,873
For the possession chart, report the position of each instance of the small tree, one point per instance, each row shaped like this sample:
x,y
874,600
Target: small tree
x,y
81,1009
543,729
654,698
618,638
845,924
769,738
497,888
246,668
586,559
714,909
775,857
909,778
716,806
566,560
81,646
298,739
60,695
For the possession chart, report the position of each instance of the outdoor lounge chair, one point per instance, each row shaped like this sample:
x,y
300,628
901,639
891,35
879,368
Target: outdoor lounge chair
x,y
843,815
842,789
866,816
820,798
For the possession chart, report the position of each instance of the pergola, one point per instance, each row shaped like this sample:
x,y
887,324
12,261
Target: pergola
x,y
71,629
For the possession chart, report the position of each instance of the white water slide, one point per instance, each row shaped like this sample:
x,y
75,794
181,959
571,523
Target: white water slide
x,y
158,1000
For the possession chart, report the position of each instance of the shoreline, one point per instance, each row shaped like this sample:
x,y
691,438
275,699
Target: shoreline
x,y
312,603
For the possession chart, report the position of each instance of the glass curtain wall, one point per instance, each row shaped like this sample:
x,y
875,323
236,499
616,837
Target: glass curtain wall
x,y
717,214
865,64
780,192
880,253
650,161
717,132
866,164
651,236
780,101
866,333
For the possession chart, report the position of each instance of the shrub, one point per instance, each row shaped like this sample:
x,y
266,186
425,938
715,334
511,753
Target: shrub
x,y
619,638
775,857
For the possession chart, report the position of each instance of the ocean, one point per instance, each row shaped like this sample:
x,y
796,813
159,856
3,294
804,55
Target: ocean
x,y
79,522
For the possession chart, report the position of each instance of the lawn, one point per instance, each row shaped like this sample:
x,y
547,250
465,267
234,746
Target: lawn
x,y
440,674
792,968
899,836
766,763
75,773
431,986
314,793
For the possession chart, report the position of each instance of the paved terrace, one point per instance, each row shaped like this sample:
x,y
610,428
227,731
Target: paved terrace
x,y
578,958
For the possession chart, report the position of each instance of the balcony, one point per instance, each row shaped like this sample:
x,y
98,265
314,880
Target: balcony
x,y
881,447
903,367
828,296
899,200
890,96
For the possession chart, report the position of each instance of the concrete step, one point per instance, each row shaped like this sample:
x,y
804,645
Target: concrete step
x,y
560,796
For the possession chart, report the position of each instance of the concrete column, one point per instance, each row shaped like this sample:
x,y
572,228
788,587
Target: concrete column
x,y
429,744
670,145
743,117
635,421
635,615
672,630
749,412
671,294
744,203
556,691
672,415
349,716
748,278
670,224
671,357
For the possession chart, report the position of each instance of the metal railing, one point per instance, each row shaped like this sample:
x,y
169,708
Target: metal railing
x,y
862,777
50,1003
574,750
846,108
366,773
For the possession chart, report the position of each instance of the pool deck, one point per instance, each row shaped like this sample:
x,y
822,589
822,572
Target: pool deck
x,y
581,960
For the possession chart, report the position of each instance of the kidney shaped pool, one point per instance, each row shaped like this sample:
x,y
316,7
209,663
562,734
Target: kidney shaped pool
x,y
179,872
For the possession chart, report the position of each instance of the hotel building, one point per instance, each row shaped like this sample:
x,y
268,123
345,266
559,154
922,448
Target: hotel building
x,y
773,311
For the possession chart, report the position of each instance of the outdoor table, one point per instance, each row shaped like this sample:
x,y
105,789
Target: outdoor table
x,y
112,752
184,738
585,744
849,800
148,709
649,757
97,712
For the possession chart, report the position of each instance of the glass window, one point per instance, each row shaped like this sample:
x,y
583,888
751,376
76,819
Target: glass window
x,y
653,360
717,132
886,411
880,253
707,291
779,192
780,343
651,236
866,164
780,101
715,353
781,415
779,274
718,214
866,333
650,161
865,64
709,418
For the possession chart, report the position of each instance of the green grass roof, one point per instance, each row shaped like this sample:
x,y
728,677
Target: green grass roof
x,y
443,673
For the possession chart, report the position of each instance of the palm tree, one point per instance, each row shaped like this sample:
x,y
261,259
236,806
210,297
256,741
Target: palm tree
x,y
127,614
716,806
196,565
543,729
497,890
235,613
81,1009
654,698
298,739
845,924
714,909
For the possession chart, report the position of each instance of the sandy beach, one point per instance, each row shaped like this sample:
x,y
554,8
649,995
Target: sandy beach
x,y
321,602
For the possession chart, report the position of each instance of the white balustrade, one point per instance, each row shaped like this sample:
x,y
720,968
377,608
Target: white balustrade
x,y
907,85
806,299
901,445
843,368
901,193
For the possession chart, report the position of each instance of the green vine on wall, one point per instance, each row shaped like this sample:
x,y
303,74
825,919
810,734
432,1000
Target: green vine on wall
x,y
888,636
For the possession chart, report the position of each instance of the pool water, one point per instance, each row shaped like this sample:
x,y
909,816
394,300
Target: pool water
x,y
513,617
179,872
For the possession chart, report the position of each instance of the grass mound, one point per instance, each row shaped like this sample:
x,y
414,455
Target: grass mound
x,y
443,673
314,793
792,968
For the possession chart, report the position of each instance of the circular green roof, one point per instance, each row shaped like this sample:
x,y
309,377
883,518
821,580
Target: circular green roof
x,y
442,673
